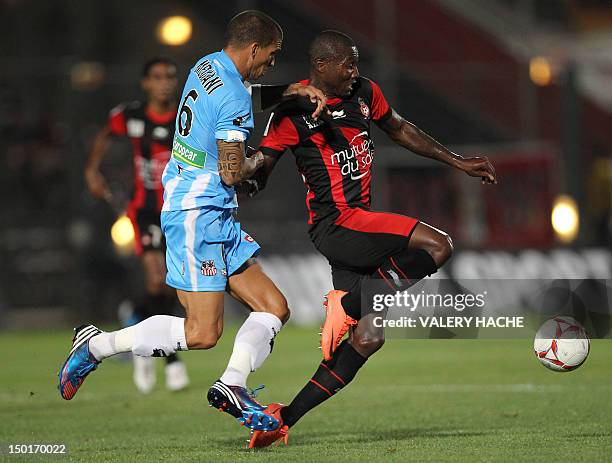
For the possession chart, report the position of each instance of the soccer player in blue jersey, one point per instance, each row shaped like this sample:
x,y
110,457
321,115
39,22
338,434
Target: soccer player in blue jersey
x,y
207,251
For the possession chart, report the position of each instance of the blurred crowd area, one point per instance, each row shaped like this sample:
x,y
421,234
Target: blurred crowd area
x,y
467,74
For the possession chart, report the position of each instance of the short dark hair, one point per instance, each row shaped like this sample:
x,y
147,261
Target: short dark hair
x,y
330,45
146,68
252,26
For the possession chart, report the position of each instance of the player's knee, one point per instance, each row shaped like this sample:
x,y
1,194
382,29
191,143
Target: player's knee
x,y
201,337
277,306
368,343
280,310
447,249
441,249
202,341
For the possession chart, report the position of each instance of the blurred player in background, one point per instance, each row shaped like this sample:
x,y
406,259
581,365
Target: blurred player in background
x,y
149,125
335,157
207,251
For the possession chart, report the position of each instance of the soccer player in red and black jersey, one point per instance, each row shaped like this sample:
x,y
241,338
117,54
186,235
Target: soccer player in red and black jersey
x,y
335,157
149,125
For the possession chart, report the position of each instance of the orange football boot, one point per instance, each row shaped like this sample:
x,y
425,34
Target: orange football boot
x,y
260,439
337,323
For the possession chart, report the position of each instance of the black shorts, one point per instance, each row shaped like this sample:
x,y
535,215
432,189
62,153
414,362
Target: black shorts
x,y
148,235
358,243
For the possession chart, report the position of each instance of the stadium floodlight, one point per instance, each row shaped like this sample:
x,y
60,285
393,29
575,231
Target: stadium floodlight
x,y
565,218
174,30
122,233
540,71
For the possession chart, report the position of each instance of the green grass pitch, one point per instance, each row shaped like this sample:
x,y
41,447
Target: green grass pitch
x,y
416,400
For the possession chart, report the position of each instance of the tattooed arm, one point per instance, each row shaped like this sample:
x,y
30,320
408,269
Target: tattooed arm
x,y
234,167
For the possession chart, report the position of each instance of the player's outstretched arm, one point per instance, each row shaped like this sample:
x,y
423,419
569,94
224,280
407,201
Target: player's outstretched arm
x,y
234,167
96,184
411,137
266,96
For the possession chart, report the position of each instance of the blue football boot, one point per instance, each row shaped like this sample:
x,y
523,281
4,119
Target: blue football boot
x,y
79,363
241,404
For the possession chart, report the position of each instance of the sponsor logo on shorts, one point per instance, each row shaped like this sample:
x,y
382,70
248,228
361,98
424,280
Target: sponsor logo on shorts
x,y
208,268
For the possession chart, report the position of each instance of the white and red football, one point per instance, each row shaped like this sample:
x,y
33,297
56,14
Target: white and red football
x,y
561,344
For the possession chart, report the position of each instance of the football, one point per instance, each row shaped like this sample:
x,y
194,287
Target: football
x,y
561,344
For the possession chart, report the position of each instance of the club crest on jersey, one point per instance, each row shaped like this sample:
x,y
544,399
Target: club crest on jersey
x,y
208,268
249,238
364,108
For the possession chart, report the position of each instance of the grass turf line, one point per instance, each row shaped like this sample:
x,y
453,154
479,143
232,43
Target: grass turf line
x,y
416,400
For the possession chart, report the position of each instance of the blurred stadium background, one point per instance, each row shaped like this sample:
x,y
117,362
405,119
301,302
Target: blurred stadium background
x,y
527,82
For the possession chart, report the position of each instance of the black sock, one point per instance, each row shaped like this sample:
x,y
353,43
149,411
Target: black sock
x,y
406,268
329,378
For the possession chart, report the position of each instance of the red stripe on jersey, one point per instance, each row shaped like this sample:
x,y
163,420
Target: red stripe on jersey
x,y
139,198
116,121
281,135
376,222
380,107
335,175
364,159
309,197
161,119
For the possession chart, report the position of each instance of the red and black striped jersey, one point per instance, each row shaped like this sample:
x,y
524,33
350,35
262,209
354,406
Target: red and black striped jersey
x,y
151,136
335,157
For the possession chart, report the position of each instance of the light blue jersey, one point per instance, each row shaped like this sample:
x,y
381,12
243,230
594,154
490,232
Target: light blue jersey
x,y
205,244
215,105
